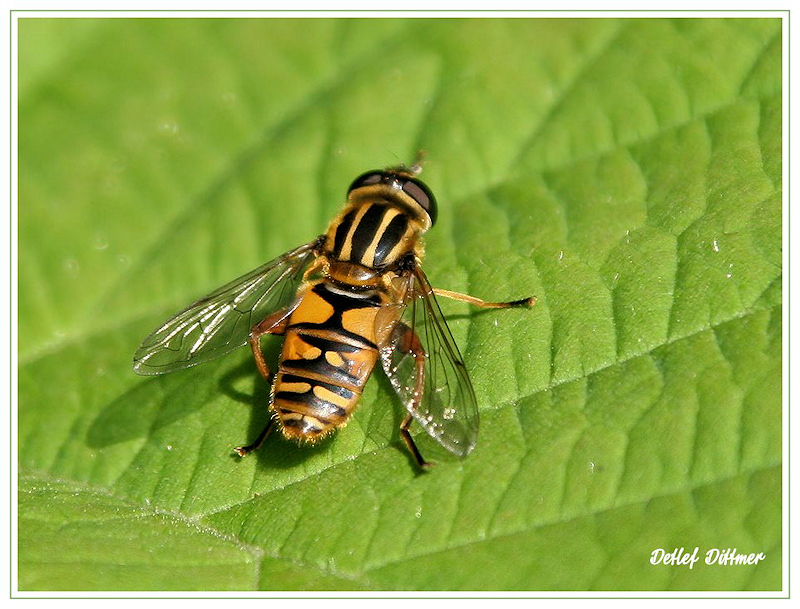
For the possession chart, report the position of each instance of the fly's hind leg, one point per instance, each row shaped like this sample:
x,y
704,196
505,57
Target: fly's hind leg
x,y
412,447
410,344
274,324
243,451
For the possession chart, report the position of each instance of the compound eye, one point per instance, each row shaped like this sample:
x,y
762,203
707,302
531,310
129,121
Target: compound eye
x,y
367,179
399,180
422,195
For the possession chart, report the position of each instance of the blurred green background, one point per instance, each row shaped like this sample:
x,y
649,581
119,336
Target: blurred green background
x,y
626,172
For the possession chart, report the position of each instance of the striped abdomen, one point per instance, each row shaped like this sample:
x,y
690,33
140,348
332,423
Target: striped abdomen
x,y
328,354
373,234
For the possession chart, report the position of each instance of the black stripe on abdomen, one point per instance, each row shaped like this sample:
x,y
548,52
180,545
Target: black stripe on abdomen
x,y
320,366
340,302
316,406
363,343
337,389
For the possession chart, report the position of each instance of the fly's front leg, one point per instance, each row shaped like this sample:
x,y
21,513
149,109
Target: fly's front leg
x,y
274,324
410,343
478,302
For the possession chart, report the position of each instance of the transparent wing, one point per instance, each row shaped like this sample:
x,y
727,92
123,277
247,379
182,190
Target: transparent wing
x,y
447,407
221,321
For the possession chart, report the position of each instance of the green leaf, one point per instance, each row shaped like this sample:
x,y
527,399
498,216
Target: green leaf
x,y
626,172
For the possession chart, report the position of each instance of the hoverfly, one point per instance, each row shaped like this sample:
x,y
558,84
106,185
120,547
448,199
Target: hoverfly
x,y
355,295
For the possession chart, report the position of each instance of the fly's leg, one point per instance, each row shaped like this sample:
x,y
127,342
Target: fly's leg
x,y
410,344
478,302
412,447
243,451
274,324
